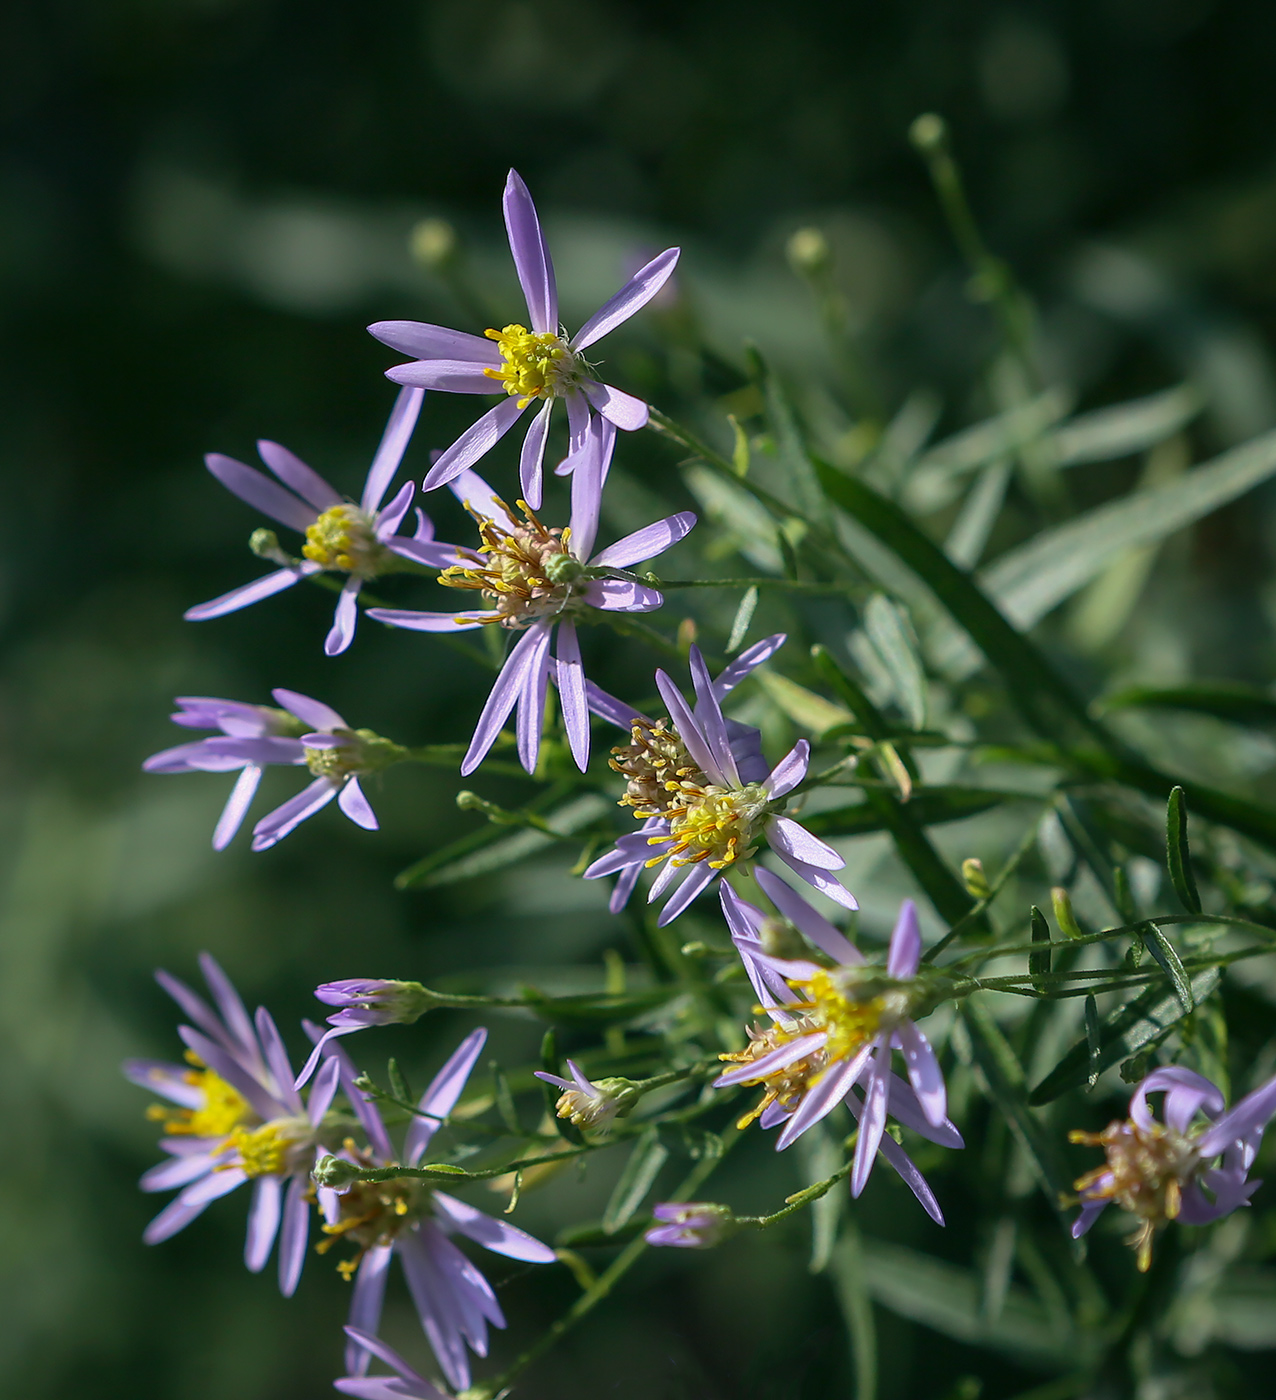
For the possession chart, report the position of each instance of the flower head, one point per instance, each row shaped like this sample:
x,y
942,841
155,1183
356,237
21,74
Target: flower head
x,y
407,1217
364,1002
1167,1170
341,537
236,1118
702,790
695,1225
833,1028
588,1104
533,364
534,578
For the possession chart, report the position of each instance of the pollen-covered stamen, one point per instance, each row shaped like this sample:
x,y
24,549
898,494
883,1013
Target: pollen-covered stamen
x,y
344,538
372,1212
277,1148
1145,1174
538,364
786,1085
529,571
360,751
655,765
712,823
851,1005
224,1108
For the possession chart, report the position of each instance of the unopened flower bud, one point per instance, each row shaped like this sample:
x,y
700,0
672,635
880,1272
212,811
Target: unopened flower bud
x,y
334,1172
563,568
808,252
972,872
1063,914
433,243
377,1001
695,1225
265,545
781,940
928,133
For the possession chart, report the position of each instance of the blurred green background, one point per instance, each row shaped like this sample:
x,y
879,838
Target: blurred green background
x,y
202,203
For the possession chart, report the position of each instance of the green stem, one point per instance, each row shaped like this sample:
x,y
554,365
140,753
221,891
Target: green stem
x,y
794,585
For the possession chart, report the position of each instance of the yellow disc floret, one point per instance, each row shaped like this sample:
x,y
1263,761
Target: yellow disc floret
x,y
710,823
538,364
372,1212
844,1012
270,1149
344,538
223,1110
784,1086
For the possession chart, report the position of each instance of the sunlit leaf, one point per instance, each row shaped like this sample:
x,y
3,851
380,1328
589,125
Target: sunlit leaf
x,y
639,1176
891,634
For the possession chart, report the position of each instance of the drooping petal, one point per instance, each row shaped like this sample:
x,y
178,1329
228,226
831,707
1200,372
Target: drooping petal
x,y
530,720
906,943
532,457
570,676
356,806
787,838
263,1222
265,587
287,817
1090,1212
904,1165
389,519
790,770
531,257
646,543
631,298
260,492
689,730
1246,1118
1187,1092
492,1234
293,1236
625,411
593,464
820,1100
367,1340
345,619
821,880
237,804
873,1118
505,693
623,888
788,1054
440,1098
475,442
296,475
807,920
700,878
607,707
748,660
366,1303
435,1305
427,342
310,711
924,1073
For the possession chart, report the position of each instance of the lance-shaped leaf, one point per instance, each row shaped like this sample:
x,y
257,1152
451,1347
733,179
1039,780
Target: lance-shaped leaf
x,y
928,806
1242,704
1039,960
638,1177
1163,953
802,706
1093,1044
1123,429
1178,856
1140,1024
891,636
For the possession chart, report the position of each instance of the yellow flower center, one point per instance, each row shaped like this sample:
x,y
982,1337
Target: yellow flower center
x,y
372,1212
851,1015
270,1149
223,1110
655,764
343,538
528,572
538,364
783,1086
1146,1170
709,823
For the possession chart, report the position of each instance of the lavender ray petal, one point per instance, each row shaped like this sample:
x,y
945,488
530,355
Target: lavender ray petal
x,y
820,1100
505,693
908,1171
433,556
163,1077
175,1216
367,1113
788,838
1253,1112
265,587
906,943
196,1008
695,742
263,1223
433,1306
531,256
532,457
790,770
429,342
425,621
356,806
260,492
873,1118
492,1234
324,1091
531,700
578,425
625,411
366,1303
393,444
478,497
621,858
904,1106
281,1071
294,1236
390,517
227,1066
272,749
768,1064
607,707
237,804
631,298
440,1098
345,619
297,476
444,376
370,1342
231,1005
570,675
1090,1212
668,874
310,711
593,462
807,920
646,543
748,660
176,1171
285,819
820,880
213,1186
622,595
623,888
474,442
924,1073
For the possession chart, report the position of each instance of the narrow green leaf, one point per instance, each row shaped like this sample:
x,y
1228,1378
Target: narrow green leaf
x,y
1123,429
929,806
638,1177
748,525
1123,895
1127,1030
1242,704
820,1157
1003,1075
850,1282
891,634
504,1099
1178,856
398,1082
1163,954
1092,1042
802,706
743,616
1039,962
968,537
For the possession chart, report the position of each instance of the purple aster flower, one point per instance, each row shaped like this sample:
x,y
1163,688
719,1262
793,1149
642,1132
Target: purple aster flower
x,y
1163,1171
237,1118
307,733
536,579
236,720
695,1225
358,540
407,1217
406,1383
541,365
589,1104
834,1028
364,1002
702,811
